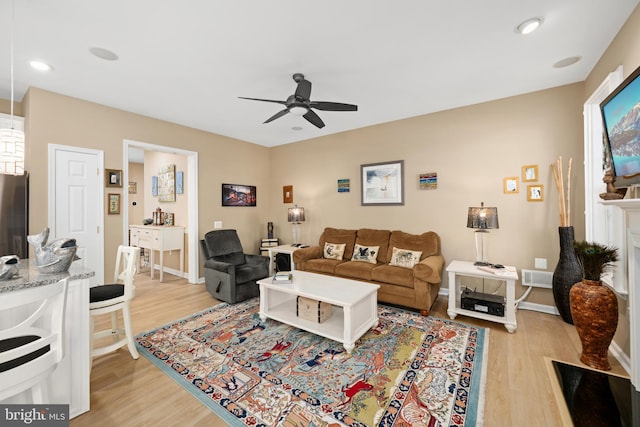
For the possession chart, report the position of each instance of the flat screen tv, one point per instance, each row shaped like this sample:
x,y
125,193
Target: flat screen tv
x,y
238,195
621,115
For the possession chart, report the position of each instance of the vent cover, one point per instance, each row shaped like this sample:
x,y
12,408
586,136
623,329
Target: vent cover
x,y
537,278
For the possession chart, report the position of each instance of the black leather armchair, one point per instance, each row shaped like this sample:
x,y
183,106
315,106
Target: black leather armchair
x,y
230,275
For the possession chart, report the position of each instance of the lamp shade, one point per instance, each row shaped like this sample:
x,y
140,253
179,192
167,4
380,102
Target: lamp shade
x,y
296,214
482,218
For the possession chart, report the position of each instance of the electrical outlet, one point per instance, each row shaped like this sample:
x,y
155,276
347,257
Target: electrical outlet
x,y
541,263
217,224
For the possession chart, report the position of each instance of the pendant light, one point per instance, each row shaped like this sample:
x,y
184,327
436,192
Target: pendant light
x,y
12,140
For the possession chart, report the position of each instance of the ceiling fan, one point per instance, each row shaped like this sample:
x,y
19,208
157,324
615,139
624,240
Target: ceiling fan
x,y
299,103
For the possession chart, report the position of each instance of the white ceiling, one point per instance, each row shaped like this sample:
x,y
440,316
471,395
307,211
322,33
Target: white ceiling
x,y
188,61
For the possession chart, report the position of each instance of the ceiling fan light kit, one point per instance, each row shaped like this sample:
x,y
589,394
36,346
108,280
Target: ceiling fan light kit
x,y
300,104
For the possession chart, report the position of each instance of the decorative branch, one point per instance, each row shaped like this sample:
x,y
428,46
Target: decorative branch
x,y
564,204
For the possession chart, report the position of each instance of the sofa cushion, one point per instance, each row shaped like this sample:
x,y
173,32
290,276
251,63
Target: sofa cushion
x,y
391,274
428,243
404,257
322,265
371,237
333,250
337,235
365,253
355,270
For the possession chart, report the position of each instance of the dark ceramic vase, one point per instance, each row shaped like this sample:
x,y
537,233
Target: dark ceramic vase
x,y
594,309
567,273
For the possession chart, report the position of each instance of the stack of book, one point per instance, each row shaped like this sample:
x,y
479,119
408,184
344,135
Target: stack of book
x,y
282,277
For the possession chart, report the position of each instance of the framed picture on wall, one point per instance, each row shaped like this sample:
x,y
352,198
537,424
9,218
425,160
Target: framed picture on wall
x,y
530,173
179,182
114,204
510,185
113,177
382,183
238,195
535,193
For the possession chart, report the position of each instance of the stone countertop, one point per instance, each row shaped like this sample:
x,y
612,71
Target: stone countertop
x,y
29,276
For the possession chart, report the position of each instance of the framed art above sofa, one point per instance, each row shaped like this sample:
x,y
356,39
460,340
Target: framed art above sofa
x,y
382,183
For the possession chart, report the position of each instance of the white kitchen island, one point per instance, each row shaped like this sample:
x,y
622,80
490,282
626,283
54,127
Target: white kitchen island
x,y
69,383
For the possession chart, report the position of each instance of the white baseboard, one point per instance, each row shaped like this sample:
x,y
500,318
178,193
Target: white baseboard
x,y
624,359
177,273
542,308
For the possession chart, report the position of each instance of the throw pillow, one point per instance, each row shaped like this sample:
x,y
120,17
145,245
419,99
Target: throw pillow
x,y
405,257
334,250
365,253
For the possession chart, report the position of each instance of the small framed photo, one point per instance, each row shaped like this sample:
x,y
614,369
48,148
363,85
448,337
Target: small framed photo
x,y
511,185
133,188
344,185
169,219
428,181
530,173
113,177
535,193
114,204
287,194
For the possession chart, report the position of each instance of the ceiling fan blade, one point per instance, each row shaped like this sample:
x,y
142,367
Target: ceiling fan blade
x,y
265,100
304,89
314,119
332,106
277,115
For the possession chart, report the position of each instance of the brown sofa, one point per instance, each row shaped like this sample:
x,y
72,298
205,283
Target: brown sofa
x,y
415,287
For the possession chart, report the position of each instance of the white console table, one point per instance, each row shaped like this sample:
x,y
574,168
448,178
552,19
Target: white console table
x,y
458,269
158,238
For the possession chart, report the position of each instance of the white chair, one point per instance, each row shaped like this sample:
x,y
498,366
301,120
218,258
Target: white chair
x,y
113,297
31,349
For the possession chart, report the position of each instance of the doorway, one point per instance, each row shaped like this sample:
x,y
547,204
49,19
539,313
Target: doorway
x,y
192,199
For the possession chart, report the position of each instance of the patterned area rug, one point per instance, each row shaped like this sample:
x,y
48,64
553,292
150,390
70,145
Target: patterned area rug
x,y
410,370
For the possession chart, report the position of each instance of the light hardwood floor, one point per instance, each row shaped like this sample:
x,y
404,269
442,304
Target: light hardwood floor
x,y
127,392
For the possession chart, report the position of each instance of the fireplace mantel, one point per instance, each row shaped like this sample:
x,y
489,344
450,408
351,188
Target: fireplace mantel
x,y
623,230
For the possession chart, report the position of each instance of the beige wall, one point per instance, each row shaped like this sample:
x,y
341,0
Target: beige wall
x,y
137,212
472,149
56,119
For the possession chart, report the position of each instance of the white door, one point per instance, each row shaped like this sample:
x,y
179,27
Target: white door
x,y
76,203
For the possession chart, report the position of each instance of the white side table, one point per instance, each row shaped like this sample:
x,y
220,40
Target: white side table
x,y
459,269
282,249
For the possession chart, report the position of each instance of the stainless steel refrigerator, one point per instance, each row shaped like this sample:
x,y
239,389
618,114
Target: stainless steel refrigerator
x,y
14,215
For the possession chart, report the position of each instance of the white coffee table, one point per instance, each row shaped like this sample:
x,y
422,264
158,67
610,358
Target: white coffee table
x,y
354,311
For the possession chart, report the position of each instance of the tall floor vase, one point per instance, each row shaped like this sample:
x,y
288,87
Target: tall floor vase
x,y
567,273
594,308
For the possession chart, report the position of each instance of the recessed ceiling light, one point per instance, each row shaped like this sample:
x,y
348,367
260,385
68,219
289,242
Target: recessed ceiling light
x,y
529,26
103,53
296,128
40,66
567,61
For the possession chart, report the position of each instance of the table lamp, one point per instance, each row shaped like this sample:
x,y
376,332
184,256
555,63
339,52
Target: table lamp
x,y
295,217
482,219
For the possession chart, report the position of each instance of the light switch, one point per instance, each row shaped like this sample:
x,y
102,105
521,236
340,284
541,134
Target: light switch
x,y
217,224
